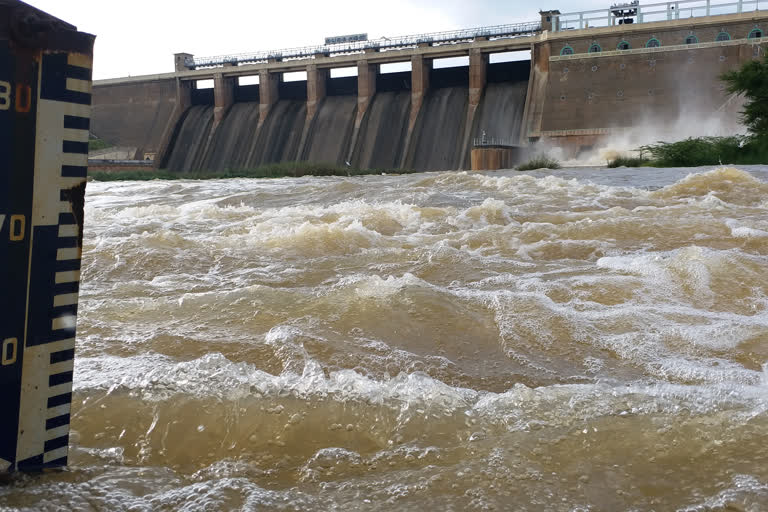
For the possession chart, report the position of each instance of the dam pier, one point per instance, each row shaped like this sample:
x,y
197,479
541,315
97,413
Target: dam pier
x,y
590,76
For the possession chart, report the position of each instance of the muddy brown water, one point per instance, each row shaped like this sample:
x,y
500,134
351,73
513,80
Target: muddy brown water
x,y
584,339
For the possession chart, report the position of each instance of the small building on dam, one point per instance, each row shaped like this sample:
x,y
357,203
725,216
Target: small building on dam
x,y
590,76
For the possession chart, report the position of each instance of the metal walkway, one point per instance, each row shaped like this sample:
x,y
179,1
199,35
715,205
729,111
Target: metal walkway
x,y
634,13
382,44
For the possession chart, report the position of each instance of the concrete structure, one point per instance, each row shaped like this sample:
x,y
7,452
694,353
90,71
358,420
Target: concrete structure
x,y
582,97
114,153
584,83
267,92
224,96
493,158
420,68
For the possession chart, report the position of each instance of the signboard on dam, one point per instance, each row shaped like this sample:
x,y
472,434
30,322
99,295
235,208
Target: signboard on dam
x,y
351,38
45,97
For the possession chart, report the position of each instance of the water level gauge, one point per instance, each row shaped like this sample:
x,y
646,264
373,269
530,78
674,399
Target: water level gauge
x,y
45,97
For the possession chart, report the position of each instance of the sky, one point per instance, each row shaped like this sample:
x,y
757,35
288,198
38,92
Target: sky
x,y
140,37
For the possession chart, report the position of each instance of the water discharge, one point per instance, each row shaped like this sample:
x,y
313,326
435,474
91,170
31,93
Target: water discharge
x,y
389,135
279,138
439,133
191,139
587,339
501,112
383,134
332,130
231,143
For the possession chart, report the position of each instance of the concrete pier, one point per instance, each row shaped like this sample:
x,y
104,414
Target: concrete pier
x,y
183,101
420,69
316,88
478,75
366,90
366,87
317,81
478,78
224,97
268,94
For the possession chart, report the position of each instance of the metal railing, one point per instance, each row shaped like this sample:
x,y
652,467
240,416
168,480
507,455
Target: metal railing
x,y
384,43
484,141
648,13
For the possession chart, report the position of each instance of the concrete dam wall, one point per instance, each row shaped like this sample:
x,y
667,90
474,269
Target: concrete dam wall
x,y
134,115
439,137
584,87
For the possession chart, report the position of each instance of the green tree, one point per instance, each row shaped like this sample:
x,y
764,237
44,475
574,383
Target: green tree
x,y
752,81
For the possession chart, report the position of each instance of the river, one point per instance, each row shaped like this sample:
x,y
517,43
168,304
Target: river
x,y
576,340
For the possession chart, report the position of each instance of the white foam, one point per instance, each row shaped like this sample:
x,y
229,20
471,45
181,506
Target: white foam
x,y
156,378
744,492
746,232
379,288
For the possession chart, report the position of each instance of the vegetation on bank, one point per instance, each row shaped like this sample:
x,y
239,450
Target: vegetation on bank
x,y
628,161
693,152
539,162
698,151
751,81
276,170
95,144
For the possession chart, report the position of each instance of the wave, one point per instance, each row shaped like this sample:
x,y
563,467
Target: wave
x,y
727,184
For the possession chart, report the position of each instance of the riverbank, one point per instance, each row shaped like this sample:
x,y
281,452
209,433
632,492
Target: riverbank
x,y
276,170
697,152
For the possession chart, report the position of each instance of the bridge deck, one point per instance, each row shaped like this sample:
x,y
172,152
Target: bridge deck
x,y
458,49
382,44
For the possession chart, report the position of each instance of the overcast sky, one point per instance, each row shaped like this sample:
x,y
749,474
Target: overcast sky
x,y
140,37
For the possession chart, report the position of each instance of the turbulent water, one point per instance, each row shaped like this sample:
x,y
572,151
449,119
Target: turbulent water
x,y
586,340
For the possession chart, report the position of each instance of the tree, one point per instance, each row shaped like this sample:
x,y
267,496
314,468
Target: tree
x,y
752,81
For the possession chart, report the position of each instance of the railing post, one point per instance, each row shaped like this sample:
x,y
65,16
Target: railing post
x,y
739,6
708,6
581,20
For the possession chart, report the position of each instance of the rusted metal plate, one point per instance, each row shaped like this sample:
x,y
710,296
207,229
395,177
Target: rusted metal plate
x,y
45,97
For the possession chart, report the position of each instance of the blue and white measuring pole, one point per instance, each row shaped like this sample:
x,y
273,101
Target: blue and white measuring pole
x,y
45,98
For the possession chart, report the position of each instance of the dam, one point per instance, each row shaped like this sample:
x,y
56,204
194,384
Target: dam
x,y
590,76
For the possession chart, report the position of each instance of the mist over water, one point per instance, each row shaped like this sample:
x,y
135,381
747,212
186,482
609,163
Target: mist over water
x,y
585,339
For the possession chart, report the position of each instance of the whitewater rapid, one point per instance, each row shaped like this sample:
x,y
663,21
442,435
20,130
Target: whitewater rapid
x,y
584,339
